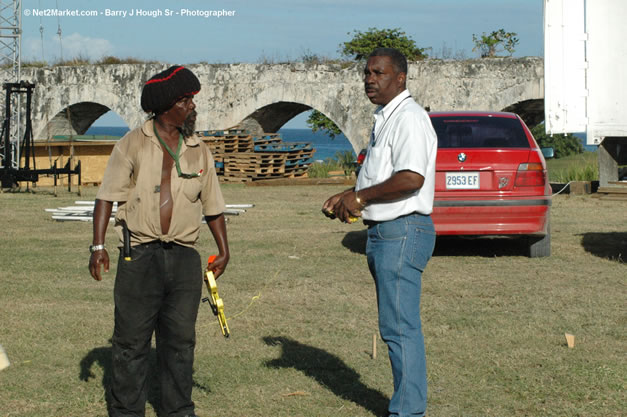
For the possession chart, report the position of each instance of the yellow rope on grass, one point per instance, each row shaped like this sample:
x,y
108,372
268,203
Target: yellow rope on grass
x,y
256,297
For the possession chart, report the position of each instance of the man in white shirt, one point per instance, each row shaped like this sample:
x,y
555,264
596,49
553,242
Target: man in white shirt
x,y
394,197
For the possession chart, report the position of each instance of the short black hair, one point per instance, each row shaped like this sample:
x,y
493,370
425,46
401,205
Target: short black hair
x,y
397,57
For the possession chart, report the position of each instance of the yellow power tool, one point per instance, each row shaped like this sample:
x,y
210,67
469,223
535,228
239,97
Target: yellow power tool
x,y
214,300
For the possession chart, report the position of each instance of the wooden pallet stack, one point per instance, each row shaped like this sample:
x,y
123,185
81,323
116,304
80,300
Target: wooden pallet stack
x,y
617,190
240,157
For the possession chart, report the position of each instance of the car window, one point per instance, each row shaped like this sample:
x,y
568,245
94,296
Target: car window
x,y
479,132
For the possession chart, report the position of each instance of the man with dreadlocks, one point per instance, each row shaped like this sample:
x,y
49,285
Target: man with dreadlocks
x,y
164,181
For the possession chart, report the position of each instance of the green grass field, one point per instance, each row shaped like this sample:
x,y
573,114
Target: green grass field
x,y
580,167
302,313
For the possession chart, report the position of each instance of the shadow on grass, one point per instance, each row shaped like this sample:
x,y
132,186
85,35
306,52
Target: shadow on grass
x,y
32,190
356,241
484,246
102,357
329,371
610,245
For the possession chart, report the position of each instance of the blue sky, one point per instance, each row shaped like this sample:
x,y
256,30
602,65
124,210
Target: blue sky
x,y
272,30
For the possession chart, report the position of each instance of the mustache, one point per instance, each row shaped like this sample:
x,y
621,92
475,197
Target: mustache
x,y
192,115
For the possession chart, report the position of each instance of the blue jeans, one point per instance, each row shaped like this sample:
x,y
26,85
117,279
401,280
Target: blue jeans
x,y
398,251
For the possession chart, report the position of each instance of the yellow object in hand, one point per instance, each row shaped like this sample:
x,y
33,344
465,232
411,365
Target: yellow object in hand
x,y
216,303
330,214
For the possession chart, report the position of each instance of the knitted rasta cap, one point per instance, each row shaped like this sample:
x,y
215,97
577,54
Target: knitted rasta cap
x,y
166,88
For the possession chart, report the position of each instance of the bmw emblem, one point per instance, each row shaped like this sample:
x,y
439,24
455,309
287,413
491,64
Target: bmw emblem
x,y
461,157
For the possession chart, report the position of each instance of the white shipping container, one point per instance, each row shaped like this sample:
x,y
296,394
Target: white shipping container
x,y
585,63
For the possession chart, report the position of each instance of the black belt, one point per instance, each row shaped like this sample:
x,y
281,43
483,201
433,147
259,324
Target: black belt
x,y
164,245
371,223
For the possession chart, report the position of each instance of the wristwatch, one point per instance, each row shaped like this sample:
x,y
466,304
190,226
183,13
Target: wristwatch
x,y
95,248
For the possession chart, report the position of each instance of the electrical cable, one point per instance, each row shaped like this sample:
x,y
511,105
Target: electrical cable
x,y
563,188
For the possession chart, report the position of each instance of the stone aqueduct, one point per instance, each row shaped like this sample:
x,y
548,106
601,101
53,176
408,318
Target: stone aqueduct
x,y
264,97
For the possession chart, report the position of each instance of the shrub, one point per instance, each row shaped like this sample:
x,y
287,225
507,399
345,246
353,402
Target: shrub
x,y
583,167
34,64
588,172
346,160
113,60
343,161
73,62
322,169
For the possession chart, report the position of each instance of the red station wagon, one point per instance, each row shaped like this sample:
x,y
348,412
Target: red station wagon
x,y
491,179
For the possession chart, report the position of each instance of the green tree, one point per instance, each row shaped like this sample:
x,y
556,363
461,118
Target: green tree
x,y
495,42
363,43
358,49
318,121
563,145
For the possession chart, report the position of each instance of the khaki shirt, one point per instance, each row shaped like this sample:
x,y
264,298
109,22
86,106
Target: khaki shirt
x,y
133,175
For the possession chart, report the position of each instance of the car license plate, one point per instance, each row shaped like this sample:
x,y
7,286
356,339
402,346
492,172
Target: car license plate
x,y
462,180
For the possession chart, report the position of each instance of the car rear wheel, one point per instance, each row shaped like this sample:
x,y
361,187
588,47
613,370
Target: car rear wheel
x,y
540,247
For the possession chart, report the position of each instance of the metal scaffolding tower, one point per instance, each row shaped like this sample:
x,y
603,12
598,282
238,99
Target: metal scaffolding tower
x,y
10,71
13,148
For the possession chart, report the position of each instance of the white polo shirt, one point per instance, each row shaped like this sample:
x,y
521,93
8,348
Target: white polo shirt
x,y
402,139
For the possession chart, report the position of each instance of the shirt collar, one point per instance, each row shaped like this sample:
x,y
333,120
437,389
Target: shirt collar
x,y
386,110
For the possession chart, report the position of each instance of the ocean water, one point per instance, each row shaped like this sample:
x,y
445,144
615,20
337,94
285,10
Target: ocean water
x,y
107,130
325,146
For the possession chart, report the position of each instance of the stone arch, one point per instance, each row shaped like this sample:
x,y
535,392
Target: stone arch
x,y
65,109
531,111
271,117
233,92
74,119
